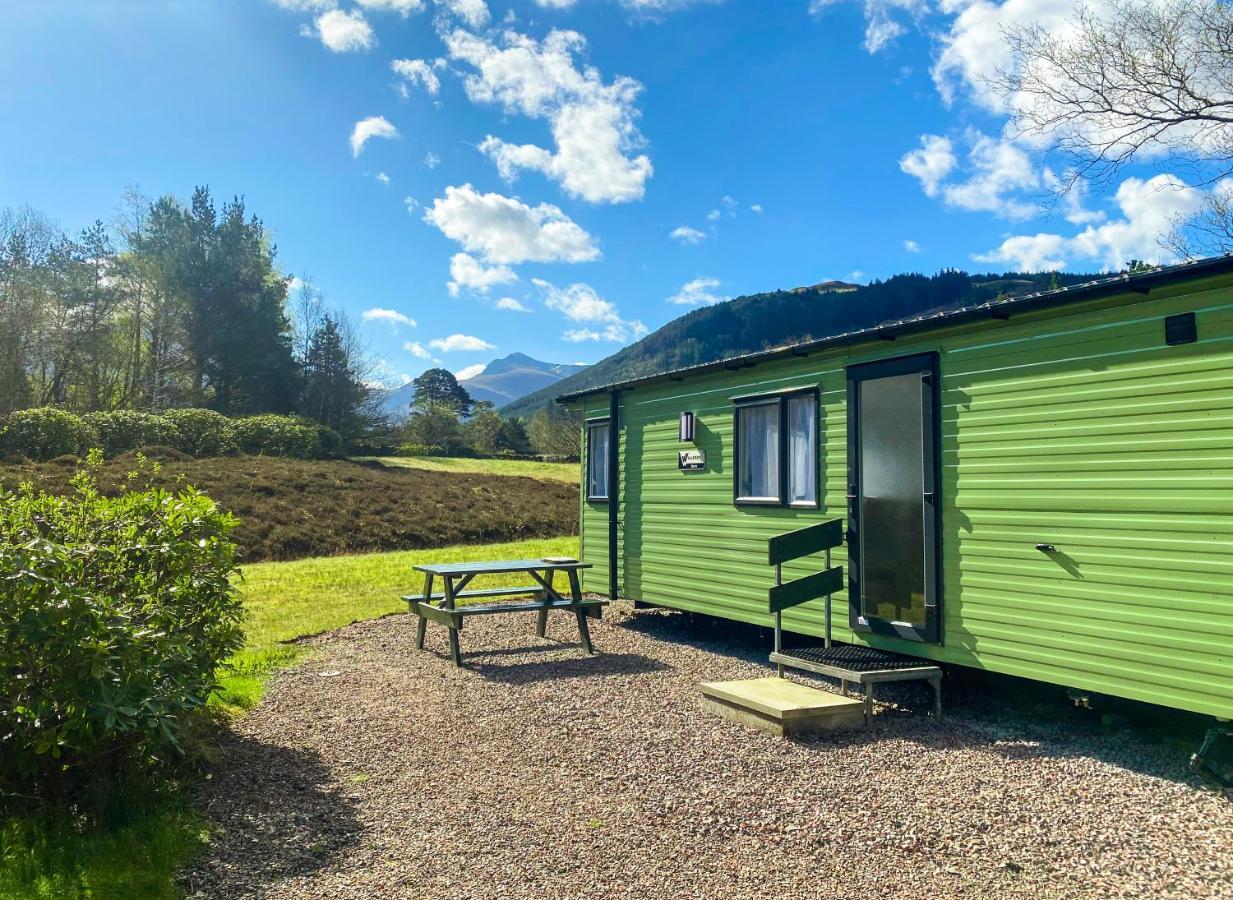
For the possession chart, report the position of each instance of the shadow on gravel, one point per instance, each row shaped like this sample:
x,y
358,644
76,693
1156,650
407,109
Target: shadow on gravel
x,y
273,814
1014,718
531,671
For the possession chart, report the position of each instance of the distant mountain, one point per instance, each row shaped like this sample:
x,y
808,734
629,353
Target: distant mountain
x,y
503,381
506,380
762,321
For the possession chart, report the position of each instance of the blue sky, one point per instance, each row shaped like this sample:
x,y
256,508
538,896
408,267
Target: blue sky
x,y
556,177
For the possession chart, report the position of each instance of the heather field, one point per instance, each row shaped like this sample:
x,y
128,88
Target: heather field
x,y
293,509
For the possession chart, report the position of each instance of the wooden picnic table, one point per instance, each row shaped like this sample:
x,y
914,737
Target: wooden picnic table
x,y
443,607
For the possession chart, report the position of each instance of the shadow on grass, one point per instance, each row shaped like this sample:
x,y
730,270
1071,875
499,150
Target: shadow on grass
x,y
136,855
274,813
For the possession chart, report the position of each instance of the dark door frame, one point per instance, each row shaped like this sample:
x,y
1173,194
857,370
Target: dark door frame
x,y
927,365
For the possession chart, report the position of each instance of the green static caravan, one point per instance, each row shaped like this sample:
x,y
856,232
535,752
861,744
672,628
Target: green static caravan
x,y
1040,486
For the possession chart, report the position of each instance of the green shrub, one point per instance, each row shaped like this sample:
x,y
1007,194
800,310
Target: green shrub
x,y
125,429
413,449
330,441
46,433
271,435
202,432
115,614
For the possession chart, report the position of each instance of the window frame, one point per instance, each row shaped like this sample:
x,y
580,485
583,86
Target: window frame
x,y
781,399
591,425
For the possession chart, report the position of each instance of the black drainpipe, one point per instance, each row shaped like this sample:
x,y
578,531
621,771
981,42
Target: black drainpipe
x,y
614,485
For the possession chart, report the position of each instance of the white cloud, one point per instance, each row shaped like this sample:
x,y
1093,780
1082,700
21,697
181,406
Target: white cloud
x,y
656,6
1029,253
931,163
382,177
460,342
883,19
505,231
511,305
367,129
1000,168
411,203
385,375
756,208
415,348
687,235
1150,210
402,7
305,5
592,123
555,4
393,316
997,170
729,204
468,272
974,49
580,303
342,32
713,215
431,160
417,71
911,246
473,12
470,371
699,292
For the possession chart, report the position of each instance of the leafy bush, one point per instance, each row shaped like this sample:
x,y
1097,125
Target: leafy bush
x,y
412,449
46,433
330,442
115,614
126,429
202,432
271,435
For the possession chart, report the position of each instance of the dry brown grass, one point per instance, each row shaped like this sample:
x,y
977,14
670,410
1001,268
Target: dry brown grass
x,y
290,509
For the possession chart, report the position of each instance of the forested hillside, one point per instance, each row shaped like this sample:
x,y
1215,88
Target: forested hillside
x,y
761,321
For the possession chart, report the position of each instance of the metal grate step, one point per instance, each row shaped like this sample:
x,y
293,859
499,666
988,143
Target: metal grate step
x,y
854,658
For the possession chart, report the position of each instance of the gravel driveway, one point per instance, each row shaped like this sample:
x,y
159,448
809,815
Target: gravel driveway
x,y
375,771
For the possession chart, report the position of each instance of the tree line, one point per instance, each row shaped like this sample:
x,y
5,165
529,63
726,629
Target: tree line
x,y
175,305
445,420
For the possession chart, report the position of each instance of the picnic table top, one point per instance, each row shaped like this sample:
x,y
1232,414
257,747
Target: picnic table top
x,y
498,566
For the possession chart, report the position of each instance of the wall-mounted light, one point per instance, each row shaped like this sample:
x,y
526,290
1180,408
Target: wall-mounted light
x,y
687,426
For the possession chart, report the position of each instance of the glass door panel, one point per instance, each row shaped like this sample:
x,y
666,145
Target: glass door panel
x,y
892,515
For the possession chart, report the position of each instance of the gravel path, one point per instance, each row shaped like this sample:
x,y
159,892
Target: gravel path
x,y
374,771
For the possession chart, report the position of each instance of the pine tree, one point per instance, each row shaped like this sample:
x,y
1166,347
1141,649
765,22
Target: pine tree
x,y
333,394
439,386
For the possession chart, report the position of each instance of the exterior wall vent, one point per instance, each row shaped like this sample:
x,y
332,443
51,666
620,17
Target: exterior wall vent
x,y
1180,329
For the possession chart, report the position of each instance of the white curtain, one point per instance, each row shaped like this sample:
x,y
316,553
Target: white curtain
x,y
802,450
597,462
759,449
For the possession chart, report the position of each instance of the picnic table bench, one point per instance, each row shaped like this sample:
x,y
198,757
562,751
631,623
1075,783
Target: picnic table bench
x,y
442,607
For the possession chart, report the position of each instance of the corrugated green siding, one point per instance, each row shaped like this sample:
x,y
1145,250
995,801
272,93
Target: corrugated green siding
x,y
1076,428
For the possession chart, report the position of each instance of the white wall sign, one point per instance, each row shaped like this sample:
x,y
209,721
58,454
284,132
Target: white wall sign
x,y
690,460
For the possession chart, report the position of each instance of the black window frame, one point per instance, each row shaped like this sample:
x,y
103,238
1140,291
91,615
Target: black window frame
x,y
928,365
591,424
781,398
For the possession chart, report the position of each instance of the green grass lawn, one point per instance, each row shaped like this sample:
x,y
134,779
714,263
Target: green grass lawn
x,y
567,472
287,600
145,842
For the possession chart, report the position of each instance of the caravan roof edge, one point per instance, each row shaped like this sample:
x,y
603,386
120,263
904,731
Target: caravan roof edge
x,y
1139,282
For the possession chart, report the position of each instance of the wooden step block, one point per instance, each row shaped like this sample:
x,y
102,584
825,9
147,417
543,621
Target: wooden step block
x,y
781,707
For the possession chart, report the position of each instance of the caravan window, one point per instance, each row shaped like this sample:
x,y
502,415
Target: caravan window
x,y
757,436
597,460
777,450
